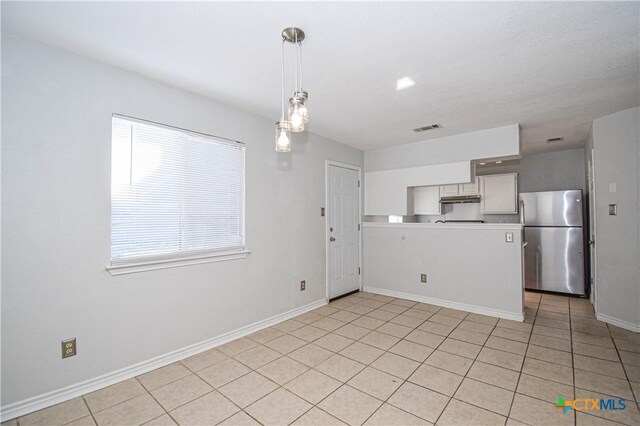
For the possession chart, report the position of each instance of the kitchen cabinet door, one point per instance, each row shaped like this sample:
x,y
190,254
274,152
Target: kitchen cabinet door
x,y
499,193
426,200
468,188
448,190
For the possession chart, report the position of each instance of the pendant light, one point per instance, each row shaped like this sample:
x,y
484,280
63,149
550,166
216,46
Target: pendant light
x,y
297,112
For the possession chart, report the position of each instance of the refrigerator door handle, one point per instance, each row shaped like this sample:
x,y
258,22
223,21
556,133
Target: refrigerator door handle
x,y
522,218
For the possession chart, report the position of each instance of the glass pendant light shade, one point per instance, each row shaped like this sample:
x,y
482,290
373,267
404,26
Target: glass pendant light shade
x,y
283,136
298,112
303,110
295,116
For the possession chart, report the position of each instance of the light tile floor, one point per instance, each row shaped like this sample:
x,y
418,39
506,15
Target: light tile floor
x,y
376,360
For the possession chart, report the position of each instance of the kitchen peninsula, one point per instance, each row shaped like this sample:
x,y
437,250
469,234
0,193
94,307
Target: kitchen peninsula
x,y
476,267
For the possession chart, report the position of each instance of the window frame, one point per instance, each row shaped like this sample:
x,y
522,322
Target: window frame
x,y
119,266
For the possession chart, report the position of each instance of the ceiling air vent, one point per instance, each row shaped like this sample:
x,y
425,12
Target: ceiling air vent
x,y
555,140
430,127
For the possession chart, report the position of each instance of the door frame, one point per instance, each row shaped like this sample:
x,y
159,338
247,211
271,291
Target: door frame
x,y
593,230
330,163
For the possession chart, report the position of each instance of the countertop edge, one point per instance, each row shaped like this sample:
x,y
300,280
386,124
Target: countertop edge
x,y
478,226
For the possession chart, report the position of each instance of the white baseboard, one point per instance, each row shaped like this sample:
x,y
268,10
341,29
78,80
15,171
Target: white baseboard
x,y
48,399
447,304
618,323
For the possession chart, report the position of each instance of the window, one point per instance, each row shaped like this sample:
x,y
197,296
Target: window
x,y
175,194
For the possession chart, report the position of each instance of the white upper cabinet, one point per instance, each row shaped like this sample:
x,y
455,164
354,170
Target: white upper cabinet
x,y
499,193
468,188
461,189
448,190
426,200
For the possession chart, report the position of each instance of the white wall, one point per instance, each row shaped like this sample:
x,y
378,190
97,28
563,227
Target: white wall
x,y
616,140
56,125
468,267
490,143
446,160
387,191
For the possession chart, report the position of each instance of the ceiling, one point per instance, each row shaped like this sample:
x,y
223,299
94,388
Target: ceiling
x,y
552,67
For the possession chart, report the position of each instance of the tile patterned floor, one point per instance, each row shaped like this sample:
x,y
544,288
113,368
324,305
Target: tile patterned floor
x,y
376,360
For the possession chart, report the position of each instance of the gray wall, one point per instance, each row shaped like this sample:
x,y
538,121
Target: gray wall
x,y
549,171
552,171
616,140
56,131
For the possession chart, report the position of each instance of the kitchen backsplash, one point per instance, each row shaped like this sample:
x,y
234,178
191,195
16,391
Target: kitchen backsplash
x,y
467,211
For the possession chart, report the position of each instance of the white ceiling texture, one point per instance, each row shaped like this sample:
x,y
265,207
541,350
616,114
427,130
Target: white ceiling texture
x,y
552,67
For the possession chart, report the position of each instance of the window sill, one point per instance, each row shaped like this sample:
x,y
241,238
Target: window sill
x,y
174,263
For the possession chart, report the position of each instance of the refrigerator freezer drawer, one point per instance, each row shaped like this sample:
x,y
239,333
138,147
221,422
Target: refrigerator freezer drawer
x,y
554,260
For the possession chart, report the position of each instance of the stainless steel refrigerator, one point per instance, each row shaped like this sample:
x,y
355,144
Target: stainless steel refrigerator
x,y
553,230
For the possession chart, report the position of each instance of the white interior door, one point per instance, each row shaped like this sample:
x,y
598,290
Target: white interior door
x,y
343,223
592,227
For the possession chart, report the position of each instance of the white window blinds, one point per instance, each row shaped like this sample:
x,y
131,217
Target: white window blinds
x,y
175,194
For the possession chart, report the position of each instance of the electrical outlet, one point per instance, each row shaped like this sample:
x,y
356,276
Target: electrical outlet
x,y
508,237
423,278
68,348
303,285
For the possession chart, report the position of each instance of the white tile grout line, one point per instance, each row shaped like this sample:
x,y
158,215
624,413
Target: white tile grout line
x,y
495,325
394,345
88,409
396,314
524,358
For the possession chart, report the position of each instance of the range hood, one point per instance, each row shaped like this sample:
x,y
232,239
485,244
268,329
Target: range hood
x,y
460,199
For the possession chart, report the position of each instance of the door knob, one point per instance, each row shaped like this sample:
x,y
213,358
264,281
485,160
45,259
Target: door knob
x,y
332,239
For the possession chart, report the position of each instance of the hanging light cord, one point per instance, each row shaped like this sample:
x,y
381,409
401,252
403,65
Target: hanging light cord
x,y
300,63
282,115
296,41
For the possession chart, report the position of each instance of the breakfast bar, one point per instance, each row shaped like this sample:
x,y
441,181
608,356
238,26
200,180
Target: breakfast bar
x,y
476,267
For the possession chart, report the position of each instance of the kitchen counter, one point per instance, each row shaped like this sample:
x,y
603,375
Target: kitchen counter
x,y
467,226
469,266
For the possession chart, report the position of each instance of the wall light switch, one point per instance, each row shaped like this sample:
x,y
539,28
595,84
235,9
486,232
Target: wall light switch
x,y
612,187
508,237
613,209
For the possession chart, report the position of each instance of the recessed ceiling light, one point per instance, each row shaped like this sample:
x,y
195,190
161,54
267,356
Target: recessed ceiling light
x,y
482,164
404,82
499,162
